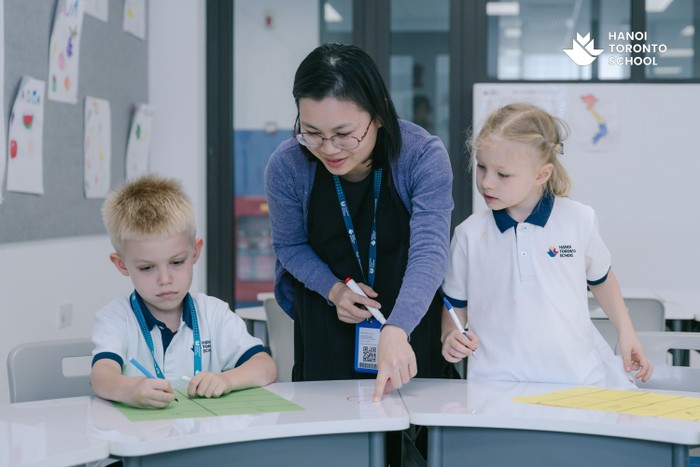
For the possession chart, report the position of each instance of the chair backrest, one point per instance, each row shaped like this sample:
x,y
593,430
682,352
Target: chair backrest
x,y
666,376
647,314
49,370
657,346
280,332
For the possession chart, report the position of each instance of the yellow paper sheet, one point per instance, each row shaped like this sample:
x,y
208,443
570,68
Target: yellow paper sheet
x,y
246,401
626,402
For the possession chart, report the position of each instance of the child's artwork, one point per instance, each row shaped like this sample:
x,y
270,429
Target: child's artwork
x,y
98,9
135,18
64,51
25,139
139,145
98,147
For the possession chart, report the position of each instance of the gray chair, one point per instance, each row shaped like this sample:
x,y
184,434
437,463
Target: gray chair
x,y
647,314
280,333
657,346
49,370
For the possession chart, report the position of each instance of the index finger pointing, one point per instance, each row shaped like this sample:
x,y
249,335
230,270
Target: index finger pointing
x,y
379,388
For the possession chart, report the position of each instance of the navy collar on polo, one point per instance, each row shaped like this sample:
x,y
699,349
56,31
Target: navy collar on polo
x,y
538,216
152,321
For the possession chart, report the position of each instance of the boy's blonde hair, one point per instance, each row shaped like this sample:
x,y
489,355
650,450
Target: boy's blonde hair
x,y
148,207
527,123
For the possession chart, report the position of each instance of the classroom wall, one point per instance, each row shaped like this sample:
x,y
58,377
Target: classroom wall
x,y
271,38
36,278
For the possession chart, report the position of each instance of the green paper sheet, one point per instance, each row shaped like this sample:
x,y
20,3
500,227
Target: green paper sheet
x,y
246,401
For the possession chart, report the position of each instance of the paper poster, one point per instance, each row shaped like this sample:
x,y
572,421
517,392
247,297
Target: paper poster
x,y
64,51
97,146
25,138
135,18
139,145
3,153
98,9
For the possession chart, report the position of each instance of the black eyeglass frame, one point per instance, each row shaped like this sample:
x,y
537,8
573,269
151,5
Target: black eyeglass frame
x,y
301,139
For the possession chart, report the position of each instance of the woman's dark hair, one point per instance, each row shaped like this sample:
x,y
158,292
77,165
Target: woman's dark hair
x,y
347,73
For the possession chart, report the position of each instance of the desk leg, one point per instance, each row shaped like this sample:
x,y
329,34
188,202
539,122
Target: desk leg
x,y
376,449
680,357
680,455
434,446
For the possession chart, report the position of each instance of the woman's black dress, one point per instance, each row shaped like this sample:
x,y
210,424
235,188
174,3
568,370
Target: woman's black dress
x,y
323,345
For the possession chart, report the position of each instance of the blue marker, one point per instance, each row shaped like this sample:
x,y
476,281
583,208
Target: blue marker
x,y
142,369
452,313
145,372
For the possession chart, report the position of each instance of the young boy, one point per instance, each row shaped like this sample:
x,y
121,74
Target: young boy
x,y
177,338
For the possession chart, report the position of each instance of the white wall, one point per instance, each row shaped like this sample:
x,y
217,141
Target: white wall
x,y
36,278
266,58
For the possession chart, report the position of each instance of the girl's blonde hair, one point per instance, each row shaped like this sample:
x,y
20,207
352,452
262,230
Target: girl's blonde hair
x,y
527,123
148,207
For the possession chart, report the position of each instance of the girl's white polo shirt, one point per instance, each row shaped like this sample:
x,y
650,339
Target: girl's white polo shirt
x,y
226,342
525,288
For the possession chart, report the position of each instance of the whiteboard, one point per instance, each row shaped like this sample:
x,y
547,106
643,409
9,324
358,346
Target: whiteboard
x,y
642,176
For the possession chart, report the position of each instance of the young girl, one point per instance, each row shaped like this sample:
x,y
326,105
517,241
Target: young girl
x,y
522,267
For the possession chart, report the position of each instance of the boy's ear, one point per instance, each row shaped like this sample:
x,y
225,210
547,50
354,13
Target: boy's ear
x,y
545,173
198,243
118,263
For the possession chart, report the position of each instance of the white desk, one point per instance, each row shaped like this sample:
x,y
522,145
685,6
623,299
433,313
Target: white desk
x,y
253,313
340,426
27,439
477,423
258,321
262,296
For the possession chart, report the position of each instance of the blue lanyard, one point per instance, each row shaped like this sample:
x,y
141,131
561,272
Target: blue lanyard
x,y
372,261
136,306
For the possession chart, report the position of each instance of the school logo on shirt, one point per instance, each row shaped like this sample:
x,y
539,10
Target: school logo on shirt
x,y
564,251
206,346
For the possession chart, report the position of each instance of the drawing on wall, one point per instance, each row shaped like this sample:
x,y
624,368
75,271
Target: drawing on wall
x,y
3,153
64,51
139,144
97,145
595,119
25,138
98,9
135,18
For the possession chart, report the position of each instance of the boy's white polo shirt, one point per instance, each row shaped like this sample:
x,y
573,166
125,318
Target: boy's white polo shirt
x,y
226,342
525,288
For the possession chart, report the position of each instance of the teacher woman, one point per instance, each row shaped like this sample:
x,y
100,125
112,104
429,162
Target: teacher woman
x,y
358,193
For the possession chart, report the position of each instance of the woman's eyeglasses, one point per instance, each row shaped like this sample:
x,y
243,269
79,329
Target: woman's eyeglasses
x,y
346,142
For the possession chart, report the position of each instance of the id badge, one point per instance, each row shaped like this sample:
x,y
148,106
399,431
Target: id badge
x,y
366,345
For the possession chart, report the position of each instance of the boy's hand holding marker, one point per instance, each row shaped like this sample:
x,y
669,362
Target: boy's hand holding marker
x,y
461,342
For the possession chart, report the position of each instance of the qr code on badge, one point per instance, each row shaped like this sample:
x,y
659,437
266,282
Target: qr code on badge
x,y
369,354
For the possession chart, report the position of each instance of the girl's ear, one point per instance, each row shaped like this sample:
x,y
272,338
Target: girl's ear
x,y
544,174
119,263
